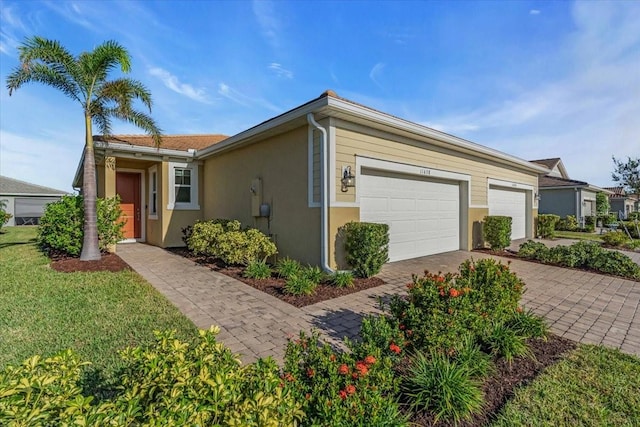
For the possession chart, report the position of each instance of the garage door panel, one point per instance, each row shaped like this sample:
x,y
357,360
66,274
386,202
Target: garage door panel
x,y
510,203
423,216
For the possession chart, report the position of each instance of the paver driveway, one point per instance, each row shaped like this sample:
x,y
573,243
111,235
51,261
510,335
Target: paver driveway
x,y
581,306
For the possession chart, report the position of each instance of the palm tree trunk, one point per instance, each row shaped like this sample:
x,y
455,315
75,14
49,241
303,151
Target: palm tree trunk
x,y
90,249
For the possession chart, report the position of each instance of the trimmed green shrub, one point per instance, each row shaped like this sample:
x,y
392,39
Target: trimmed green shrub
x,y
547,225
228,242
342,279
602,203
341,388
568,223
257,270
615,238
61,226
533,250
436,384
616,263
288,267
497,231
367,247
605,219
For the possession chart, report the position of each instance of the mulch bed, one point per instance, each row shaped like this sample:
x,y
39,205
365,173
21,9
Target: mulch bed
x,y
500,386
275,286
108,262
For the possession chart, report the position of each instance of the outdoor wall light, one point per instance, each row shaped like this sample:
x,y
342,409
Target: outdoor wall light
x,y
348,179
537,196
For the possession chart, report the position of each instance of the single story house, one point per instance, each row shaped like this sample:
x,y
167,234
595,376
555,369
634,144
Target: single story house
x,y
301,175
561,195
25,201
621,203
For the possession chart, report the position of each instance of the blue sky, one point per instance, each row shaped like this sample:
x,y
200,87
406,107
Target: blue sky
x,y
535,79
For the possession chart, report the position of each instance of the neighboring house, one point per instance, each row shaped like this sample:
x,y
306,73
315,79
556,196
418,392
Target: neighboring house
x,y
621,202
300,176
561,195
25,201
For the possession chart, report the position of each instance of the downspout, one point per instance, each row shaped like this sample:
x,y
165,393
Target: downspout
x,y
578,204
324,203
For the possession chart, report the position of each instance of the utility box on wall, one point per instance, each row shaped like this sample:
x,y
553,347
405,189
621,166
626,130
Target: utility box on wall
x,y
256,196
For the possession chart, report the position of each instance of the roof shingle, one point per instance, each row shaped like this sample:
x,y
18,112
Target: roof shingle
x,y
171,142
10,186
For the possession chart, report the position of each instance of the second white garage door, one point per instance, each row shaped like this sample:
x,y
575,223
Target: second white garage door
x,y
423,215
511,203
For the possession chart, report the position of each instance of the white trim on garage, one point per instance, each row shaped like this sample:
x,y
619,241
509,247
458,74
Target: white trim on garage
x,y
426,209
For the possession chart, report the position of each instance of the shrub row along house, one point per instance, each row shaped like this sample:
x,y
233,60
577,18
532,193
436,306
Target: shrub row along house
x,y
301,175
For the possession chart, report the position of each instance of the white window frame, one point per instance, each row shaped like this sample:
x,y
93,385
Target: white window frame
x,y
172,205
153,179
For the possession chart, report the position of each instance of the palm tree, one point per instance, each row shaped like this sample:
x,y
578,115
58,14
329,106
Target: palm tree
x,y
84,79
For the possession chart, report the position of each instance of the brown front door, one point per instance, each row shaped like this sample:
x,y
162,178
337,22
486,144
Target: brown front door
x,y
128,188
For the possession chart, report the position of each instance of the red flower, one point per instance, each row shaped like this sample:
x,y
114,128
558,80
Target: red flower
x,y
342,394
310,373
362,368
307,396
289,377
440,279
402,327
453,293
393,347
350,389
369,360
332,357
343,369
354,375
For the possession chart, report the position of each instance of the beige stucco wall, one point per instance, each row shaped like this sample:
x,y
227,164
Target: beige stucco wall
x,y
174,220
281,162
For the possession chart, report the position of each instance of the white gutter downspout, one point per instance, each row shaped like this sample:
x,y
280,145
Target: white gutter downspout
x,y
324,208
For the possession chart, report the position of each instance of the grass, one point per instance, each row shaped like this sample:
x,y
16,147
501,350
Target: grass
x,y
577,235
593,386
95,314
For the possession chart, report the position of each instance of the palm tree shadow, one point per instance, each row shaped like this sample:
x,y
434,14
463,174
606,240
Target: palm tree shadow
x,y
9,244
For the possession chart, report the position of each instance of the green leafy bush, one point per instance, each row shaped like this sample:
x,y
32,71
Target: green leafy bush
x,y
342,279
299,284
528,325
228,242
366,246
497,231
288,267
4,215
568,223
503,341
547,225
439,309
313,273
533,250
61,226
470,356
633,216
608,218
615,238
436,384
380,336
168,383
340,388
257,270
616,263
632,227
589,223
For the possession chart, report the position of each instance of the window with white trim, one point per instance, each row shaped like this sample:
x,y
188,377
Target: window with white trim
x,y
153,192
183,186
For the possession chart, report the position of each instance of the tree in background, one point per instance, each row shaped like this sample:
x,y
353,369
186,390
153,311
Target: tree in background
x,y
602,204
627,174
83,78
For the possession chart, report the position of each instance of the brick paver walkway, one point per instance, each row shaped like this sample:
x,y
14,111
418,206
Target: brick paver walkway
x,y
582,306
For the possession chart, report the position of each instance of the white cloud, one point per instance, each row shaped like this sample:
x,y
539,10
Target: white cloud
x,y
39,160
268,21
175,85
280,71
11,24
246,101
376,72
534,12
73,12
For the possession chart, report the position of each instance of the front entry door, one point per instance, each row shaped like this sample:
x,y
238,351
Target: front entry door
x,y
128,188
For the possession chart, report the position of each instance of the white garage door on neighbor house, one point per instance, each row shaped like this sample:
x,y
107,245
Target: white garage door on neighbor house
x,y
423,215
513,203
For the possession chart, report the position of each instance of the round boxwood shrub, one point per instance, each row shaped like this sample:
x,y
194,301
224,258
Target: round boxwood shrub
x,y
367,247
61,226
497,231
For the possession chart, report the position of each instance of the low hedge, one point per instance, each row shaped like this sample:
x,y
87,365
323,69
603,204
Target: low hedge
x,y
547,225
584,255
497,231
367,247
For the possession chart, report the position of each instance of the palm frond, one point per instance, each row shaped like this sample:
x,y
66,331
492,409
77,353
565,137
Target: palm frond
x,y
103,59
141,120
101,117
133,89
42,73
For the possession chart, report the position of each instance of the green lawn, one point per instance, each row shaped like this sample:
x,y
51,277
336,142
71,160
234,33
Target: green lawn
x,y
593,386
577,235
96,314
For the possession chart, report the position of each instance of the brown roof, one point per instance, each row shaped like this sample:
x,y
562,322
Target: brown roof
x,y
548,163
552,181
617,191
171,142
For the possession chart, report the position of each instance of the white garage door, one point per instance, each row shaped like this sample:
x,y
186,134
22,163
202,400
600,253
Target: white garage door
x,y
511,203
423,216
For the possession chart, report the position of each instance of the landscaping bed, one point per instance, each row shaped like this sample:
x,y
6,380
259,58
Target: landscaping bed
x,y
275,286
108,262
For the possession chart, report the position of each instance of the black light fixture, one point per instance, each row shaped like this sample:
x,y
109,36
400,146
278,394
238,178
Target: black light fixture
x,y
348,180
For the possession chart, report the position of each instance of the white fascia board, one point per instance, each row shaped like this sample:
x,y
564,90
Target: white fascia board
x,y
149,151
427,172
301,111
424,131
35,194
